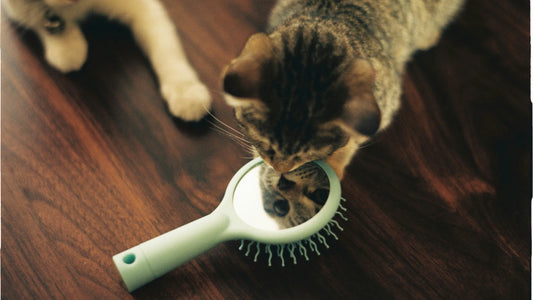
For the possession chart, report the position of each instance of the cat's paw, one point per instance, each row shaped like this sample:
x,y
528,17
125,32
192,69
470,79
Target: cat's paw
x,y
187,100
65,61
66,53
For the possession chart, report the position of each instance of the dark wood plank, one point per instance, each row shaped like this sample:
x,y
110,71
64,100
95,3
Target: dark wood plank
x,y
92,164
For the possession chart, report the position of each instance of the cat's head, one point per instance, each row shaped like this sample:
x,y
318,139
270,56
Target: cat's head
x,y
300,95
294,197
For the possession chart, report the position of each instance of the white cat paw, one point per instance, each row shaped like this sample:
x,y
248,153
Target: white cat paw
x,y
67,51
187,100
67,59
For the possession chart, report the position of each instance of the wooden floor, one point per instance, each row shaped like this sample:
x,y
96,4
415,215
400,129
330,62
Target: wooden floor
x,y
438,205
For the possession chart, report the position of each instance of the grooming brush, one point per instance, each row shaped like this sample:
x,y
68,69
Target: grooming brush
x,y
239,216
298,248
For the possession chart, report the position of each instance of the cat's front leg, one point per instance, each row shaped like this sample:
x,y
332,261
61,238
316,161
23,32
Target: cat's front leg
x,y
65,50
186,96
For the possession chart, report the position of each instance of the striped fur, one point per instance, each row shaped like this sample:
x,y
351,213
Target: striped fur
x,y
326,75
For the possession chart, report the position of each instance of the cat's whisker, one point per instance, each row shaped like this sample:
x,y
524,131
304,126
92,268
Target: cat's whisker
x,y
237,139
224,124
229,134
225,129
251,150
240,143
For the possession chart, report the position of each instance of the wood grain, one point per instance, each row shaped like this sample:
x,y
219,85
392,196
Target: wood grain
x,y
92,164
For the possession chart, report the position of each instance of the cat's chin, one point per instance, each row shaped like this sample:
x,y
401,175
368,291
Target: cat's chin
x,y
282,167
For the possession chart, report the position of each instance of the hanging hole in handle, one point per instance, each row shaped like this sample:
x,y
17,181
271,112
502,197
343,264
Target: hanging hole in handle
x,y
129,258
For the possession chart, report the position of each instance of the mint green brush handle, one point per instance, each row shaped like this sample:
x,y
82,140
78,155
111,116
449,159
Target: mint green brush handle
x,y
154,258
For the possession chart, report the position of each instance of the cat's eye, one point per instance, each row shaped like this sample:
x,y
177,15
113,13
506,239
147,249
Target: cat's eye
x,y
319,196
281,207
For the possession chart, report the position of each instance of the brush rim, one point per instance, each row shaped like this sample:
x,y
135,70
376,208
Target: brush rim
x,y
294,234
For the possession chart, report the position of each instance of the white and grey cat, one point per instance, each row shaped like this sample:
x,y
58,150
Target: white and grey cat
x,y
65,48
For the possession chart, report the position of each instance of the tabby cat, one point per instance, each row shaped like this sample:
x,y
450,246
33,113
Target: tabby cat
x,y
65,48
326,76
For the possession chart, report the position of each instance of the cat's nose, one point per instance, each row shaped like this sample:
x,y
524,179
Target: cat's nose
x,y
284,183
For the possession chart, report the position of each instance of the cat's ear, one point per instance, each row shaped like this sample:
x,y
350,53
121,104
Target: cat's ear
x,y
361,112
242,78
